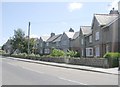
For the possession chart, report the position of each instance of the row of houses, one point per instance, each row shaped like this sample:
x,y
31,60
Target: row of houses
x,y
90,41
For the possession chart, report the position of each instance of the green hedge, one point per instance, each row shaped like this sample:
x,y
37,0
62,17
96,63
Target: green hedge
x,y
57,53
73,54
20,55
113,58
24,55
33,56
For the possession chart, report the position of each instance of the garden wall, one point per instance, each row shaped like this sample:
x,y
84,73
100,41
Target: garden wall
x,y
95,62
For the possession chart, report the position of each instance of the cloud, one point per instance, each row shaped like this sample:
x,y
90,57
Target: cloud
x,y
114,4
74,6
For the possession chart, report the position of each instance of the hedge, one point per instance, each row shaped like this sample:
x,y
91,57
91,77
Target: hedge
x,y
113,58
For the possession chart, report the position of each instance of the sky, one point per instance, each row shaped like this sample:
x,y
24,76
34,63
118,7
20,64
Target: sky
x,y
47,17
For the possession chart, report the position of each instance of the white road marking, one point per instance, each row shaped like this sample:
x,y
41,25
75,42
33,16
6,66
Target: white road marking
x,y
72,81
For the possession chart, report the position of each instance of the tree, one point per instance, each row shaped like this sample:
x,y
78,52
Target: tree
x,y
18,40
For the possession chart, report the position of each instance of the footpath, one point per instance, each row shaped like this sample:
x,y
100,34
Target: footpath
x,y
113,71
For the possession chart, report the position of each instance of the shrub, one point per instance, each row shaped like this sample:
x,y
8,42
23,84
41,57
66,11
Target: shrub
x,y
57,53
31,56
20,55
73,54
113,58
112,55
2,52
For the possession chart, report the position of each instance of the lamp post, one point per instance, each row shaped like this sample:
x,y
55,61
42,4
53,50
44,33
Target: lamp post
x,y
29,38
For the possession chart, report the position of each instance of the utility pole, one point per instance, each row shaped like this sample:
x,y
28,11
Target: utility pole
x,y
29,38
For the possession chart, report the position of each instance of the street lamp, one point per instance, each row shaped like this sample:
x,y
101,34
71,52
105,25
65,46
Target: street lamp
x,y
29,38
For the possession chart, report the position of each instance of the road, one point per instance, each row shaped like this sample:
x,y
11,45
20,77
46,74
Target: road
x,y
16,72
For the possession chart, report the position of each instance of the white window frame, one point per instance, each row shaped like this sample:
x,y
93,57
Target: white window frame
x,y
97,36
88,52
47,51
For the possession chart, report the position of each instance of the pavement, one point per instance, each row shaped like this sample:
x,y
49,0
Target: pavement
x,y
113,71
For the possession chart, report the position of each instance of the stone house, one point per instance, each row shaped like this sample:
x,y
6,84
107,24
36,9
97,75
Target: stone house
x,y
52,42
66,40
104,37
84,31
41,44
75,42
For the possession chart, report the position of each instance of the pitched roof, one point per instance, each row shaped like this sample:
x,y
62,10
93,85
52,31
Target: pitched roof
x,y
112,22
70,34
86,30
53,38
76,35
58,39
104,19
45,38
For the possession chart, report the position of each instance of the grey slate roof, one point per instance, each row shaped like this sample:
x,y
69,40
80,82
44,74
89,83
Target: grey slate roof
x,y
86,30
76,35
53,38
112,22
58,39
104,19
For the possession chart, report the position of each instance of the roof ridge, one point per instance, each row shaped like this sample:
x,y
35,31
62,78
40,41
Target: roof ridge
x,y
107,14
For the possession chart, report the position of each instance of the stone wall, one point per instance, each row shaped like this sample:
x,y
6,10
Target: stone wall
x,y
95,62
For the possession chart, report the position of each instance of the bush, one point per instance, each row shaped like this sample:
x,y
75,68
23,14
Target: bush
x,y
113,58
2,52
20,55
112,55
73,54
57,53
31,56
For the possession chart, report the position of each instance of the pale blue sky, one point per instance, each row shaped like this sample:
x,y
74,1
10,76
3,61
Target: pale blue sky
x,y
47,17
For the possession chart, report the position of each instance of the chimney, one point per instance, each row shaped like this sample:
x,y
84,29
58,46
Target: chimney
x,y
113,11
52,34
71,30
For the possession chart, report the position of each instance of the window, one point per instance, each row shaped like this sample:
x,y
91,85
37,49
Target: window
x,y
82,41
97,37
97,51
47,51
90,39
89,51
